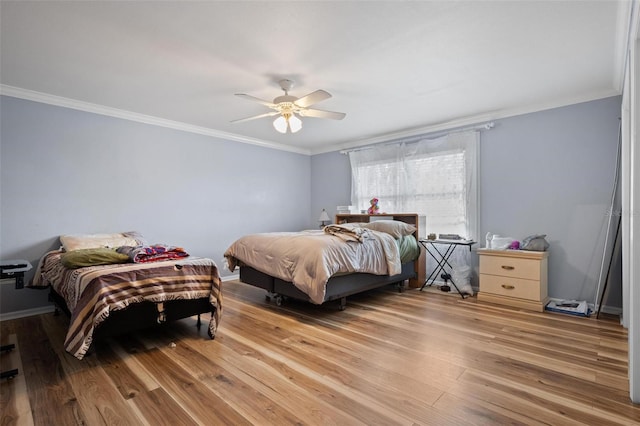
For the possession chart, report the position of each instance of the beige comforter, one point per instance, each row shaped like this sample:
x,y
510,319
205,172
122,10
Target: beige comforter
x,y
309,258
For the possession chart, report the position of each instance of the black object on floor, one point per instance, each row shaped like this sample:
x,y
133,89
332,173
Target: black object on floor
x,y
8,374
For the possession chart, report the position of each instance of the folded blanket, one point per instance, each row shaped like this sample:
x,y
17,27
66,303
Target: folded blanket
x,y
153,253
348,232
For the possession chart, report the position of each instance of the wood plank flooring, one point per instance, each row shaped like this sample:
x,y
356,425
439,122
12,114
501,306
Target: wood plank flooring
x,y
389,358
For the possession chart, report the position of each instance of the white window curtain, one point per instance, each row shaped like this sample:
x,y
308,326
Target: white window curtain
x,y
436,178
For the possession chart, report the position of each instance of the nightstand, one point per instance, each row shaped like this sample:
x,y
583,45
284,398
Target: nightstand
x,y
515,278
12,269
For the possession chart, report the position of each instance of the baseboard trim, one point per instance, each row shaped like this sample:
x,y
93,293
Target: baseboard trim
x,y
233,277
612,310
26,313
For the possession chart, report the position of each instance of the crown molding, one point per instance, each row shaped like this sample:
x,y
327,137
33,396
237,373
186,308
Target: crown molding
x,y
467,121
45,98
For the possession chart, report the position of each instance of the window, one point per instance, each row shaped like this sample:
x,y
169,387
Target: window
x,y
436,178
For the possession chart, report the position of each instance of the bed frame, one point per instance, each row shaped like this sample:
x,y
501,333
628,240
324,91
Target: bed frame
x,y
341,286
338,287
141,315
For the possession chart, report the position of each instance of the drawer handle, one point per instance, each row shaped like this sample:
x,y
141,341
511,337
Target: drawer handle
x,y
508,268
508,286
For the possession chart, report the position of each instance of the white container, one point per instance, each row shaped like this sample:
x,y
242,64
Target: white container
x,y
501,243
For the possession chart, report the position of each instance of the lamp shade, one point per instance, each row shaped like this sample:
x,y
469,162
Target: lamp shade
x,y
295,123
324,217
280,124
287,121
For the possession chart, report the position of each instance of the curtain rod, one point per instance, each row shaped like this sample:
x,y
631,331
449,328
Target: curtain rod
x,y
485,126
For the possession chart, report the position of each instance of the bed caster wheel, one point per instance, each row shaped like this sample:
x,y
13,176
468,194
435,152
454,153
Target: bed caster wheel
x,y
343,304
279,300
9,374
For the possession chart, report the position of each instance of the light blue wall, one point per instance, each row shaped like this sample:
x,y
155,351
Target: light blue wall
x,y
330,183
553,173
550,172
66,171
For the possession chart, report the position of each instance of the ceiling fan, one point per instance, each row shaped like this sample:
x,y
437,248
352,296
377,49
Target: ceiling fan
x,y
288,107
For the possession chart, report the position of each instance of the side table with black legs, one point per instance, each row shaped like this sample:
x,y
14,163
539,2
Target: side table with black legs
x,y
12,269
442,258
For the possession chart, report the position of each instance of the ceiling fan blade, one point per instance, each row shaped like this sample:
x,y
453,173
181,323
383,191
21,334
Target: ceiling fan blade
x,y
254,99
318,113
312,98
268,114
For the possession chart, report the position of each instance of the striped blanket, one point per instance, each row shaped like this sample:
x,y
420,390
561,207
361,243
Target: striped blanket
x,y
93,292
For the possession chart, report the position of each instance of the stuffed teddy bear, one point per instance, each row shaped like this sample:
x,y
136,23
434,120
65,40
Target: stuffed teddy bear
x,y
374,209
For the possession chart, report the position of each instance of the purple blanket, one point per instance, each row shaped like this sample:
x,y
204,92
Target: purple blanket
x,y
153,253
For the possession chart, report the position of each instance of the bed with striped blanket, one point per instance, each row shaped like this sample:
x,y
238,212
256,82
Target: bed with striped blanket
x,y
93,294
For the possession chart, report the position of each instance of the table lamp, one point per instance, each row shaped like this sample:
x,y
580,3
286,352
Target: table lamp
x,y
324,217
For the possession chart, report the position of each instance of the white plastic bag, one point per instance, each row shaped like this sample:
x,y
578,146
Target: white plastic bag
x,y
501,243
461,276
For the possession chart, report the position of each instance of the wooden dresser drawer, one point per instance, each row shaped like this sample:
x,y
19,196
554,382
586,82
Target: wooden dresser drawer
x,y
516,278
510,267
512,287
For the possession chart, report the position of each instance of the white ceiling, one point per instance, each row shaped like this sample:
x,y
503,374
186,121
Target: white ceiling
x,y
394,67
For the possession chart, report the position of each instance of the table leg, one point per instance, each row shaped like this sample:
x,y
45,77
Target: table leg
x,y
8,374
434,274
442,259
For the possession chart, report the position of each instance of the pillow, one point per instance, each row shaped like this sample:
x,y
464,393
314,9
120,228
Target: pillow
x,y
395,228
87,241
92,257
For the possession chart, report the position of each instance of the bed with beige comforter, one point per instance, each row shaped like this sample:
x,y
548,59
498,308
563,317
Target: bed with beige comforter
x,y
309,259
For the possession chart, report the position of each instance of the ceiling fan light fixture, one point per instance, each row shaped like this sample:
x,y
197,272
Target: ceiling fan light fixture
x,y
287,121
290,108
295,123
280,124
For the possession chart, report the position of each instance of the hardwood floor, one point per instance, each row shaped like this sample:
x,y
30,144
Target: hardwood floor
x,y
389,358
